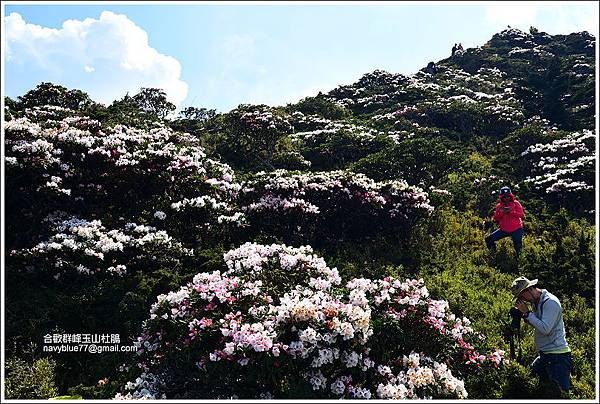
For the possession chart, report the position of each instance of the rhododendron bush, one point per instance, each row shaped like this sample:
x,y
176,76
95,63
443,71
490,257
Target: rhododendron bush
x,y
333,204
58,160
280,323
564,169
87,247
256,136
73,168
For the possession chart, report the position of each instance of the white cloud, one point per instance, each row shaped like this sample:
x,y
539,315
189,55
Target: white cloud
x,y
113,47
552,17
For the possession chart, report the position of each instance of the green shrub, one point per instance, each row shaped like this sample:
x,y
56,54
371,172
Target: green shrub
x,y
30,381
320,106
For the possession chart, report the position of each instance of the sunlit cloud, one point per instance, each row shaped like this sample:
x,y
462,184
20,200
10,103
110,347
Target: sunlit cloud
x,y
105,57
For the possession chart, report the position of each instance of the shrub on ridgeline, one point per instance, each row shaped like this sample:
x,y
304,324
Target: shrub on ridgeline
x,y
153,101
193,120
279,323
45,94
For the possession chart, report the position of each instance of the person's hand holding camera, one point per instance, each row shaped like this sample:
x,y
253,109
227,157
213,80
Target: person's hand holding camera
x,y
522,306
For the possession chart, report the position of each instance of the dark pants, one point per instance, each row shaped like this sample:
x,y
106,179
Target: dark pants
x,y
517,238
554,367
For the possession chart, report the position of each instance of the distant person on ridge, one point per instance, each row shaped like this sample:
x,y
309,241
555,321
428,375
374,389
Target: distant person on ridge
x,y
454,49
459,47
509,215
431,69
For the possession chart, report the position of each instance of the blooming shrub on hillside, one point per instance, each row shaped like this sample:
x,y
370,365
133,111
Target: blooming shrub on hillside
x,y
257,131
74,160
325,128
564,165
280,323
331,204
58,160
87,247
564,169
110,206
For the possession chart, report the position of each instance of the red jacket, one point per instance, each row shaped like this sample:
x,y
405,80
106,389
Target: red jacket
x,y
512,220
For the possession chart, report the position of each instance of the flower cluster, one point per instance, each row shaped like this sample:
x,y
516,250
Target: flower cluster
x,y
538,51
80,166
313,131
421,372
79,161
328,200
144,387
284,310
563,166
258,128
258,120
331,128
88,247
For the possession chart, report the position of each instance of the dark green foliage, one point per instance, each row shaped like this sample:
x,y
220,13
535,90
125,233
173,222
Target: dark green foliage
x,y
197,114
56,95
564,260
149,105
153,101
253,137
425,161
121,112
322,107
340,150
466,120
193,120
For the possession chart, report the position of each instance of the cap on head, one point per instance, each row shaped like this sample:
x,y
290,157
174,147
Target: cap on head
x,y
505,191
520,284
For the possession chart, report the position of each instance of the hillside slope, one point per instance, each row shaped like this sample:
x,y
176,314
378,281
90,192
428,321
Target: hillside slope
x,y
336,243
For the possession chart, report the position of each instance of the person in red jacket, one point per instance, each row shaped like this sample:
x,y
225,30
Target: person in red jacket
x,y
509,215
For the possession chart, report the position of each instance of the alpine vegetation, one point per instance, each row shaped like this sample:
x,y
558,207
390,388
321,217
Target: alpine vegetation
x,y
333,248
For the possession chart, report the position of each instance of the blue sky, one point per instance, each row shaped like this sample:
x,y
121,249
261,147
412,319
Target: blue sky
x,y
219,56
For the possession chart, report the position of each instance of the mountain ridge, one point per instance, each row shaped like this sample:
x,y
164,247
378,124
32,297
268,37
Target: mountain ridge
x,y
120,219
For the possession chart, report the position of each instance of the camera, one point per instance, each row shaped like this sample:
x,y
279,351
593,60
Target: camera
x,y
516,316
512,328
512,332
